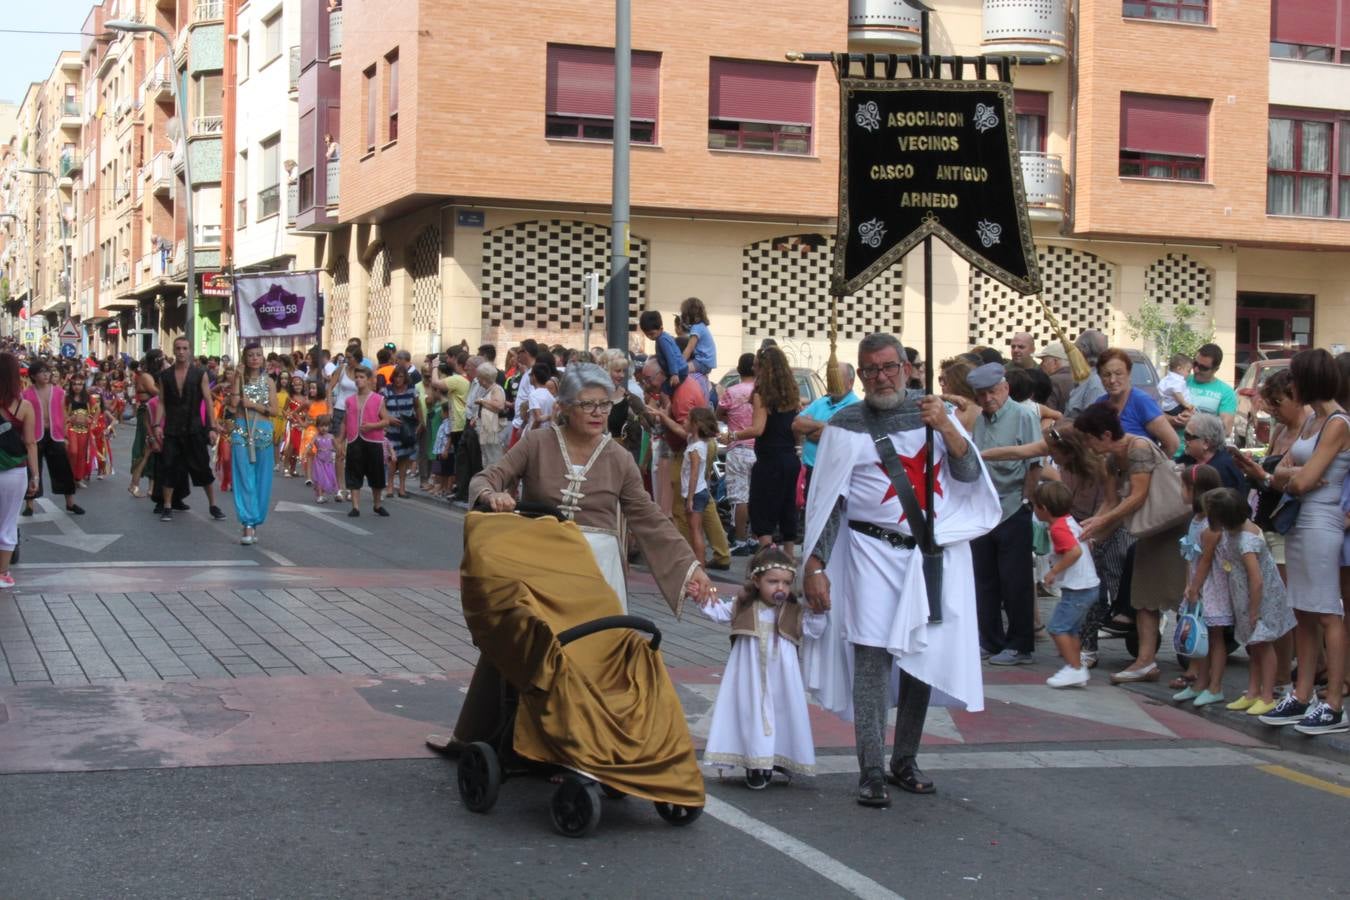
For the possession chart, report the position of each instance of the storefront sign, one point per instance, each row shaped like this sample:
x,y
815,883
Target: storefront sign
x,y
928,157
215,284
277,305
113,330
470,218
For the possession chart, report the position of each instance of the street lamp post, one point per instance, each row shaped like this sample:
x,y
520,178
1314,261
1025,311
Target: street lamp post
x,y
28,251
128,26
67,258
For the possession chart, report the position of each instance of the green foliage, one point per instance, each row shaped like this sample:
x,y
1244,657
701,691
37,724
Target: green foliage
x,y
1179,334
4,288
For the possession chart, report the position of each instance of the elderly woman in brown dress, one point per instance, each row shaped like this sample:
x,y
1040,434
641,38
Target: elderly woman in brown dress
x,y
573,464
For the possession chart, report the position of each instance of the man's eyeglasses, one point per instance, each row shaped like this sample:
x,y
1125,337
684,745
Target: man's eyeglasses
x,y
888,369
1186,435
594,406
1201,367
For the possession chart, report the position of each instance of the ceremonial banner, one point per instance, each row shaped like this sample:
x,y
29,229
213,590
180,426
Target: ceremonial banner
x,y
280,305
926,157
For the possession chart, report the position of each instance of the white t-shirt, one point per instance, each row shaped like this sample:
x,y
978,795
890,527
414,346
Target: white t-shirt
x,y
1065,534
522,402
701,448
344,388
1172,391
541,399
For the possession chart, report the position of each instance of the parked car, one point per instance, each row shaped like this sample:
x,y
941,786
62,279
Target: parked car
x,y
1142,373
809,384
1251,424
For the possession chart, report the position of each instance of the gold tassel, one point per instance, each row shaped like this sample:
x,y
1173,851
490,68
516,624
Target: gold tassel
x,y
1078,363
834,379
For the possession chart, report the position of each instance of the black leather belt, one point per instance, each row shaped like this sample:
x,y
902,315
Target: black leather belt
x,y
894,538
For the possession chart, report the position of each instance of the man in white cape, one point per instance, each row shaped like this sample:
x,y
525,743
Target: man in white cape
x,y
862,565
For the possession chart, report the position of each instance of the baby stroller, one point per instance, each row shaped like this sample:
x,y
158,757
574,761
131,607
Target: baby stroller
x,y
565,684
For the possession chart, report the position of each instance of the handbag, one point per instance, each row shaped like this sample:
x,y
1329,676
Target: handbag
x,y
1165,507
1285,516
1191,637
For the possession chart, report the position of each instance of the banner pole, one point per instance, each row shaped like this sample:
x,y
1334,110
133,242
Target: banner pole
x,y
934,603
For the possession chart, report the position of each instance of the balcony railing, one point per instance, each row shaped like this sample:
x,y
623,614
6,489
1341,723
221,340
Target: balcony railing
x,y
334,166
269,201
1043,177
159,83
68,165
208,10
883,25
207,125
121,273
160,173
295,69
70,109
335,33
1027,27
292,201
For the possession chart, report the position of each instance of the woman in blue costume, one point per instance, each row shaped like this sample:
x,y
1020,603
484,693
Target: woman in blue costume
x,y
255,403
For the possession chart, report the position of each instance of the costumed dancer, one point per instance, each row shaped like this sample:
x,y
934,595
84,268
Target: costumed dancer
x,y
78,419
760,721
317,408
251,442
142,454
283,395
864,566
224,463
102,427
49,408
322,463
296,407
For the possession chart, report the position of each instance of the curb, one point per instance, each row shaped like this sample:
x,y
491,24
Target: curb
x,y
1331,747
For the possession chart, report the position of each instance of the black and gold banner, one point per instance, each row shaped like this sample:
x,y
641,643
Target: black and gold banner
x,y
926,157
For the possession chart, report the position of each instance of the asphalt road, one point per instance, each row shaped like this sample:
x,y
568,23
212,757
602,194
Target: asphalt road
x,y
1156,811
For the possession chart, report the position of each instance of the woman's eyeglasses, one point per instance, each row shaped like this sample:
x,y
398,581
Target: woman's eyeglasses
x,y
594,406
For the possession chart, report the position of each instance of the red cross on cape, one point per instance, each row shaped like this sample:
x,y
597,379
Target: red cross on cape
x,y
914,466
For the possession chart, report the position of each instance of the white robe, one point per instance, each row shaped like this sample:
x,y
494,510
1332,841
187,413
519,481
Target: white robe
x,y
760,719
877,593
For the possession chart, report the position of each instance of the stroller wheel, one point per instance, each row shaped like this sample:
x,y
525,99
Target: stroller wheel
x,y
575,807
479,777
677,815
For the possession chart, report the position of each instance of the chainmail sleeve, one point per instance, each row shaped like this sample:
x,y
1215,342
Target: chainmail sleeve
x,y
829,533
965,468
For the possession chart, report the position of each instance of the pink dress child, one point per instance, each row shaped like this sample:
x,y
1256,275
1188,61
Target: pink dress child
x,y
324,473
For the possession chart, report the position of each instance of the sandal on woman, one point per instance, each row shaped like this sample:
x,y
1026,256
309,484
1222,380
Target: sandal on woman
x,y
872,789
1130,676
135,491
1184,680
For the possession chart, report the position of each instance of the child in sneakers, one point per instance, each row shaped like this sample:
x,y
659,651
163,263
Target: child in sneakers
x,y
1072,569
1261,610
702,428
1202,682
760,721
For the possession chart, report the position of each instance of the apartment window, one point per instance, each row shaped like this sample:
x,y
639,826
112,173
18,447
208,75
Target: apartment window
x,y
1196,11
308,156
1313,30
763,106
580,96
1308,164
241,213
272,37
207,103
269,196
372,108
1163,137
244,61
1033,112
391,68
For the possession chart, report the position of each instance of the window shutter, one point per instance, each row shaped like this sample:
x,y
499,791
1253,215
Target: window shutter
x,y
1177,126
1031,103
581,82
393,86
1303,22
772,92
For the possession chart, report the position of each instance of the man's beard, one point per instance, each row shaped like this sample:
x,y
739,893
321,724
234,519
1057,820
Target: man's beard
x,y
885,401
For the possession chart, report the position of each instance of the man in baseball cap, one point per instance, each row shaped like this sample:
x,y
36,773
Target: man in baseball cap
x,y
1055,363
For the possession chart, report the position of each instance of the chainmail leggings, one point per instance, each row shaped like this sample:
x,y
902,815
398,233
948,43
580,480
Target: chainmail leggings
x,y
871,691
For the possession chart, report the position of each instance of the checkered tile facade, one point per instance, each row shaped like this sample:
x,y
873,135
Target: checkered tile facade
x,y
1178,280
785,292
1078,287
381,293
424,268
339,305
533,274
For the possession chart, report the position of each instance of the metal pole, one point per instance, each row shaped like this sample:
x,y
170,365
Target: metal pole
x,y
934,604
190,291
616,296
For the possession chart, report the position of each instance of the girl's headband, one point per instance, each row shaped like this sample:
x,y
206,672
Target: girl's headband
x,y
768,567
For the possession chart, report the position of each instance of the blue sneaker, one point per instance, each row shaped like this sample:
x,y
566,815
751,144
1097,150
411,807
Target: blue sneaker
x,y
1322,719
1010,657
1289,711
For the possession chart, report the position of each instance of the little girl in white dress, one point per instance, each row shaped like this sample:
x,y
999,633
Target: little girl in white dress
x,y
760,720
